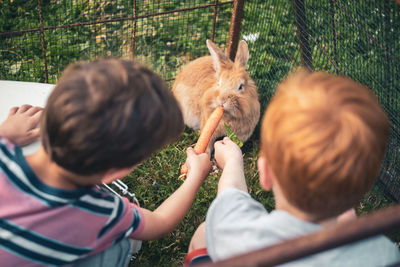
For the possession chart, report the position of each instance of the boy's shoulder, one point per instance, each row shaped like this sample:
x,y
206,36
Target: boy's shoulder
x,y
248,226
374,251
243,218
233,205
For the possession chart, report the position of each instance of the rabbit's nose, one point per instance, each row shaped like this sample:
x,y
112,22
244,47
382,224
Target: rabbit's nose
x,y
225,104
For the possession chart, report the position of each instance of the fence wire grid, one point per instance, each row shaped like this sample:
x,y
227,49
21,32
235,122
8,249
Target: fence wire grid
x,y
360,39
356,38
38,39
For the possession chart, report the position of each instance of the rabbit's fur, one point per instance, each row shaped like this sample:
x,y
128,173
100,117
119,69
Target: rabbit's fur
x,y
210,81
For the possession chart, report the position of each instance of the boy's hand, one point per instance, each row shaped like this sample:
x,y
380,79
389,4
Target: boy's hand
x,y
171,212
20,127
197,164
347,216
230,159
226,151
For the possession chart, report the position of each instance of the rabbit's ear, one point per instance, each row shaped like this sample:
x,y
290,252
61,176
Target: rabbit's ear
x,y
242,54
217,54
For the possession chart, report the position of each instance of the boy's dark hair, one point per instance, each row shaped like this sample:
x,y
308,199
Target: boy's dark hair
x,y
108,114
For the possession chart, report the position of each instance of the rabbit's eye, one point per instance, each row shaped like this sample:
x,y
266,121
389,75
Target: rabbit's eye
x,y
240,87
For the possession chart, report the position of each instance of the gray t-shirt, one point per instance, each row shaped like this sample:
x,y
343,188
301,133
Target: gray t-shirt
x,y
236,224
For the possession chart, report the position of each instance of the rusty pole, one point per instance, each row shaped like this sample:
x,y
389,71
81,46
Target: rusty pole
x,y
214,21
388,39
46,73
302,33
133,46
334,33
234,31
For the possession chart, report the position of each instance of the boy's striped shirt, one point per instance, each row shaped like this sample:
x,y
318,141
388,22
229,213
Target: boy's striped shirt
x,y
43,225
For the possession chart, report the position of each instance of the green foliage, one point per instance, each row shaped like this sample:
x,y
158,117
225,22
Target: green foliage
x,y
166,42
231,134
375,200
157,178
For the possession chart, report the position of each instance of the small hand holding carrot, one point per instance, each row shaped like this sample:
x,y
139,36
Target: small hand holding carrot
x,y
206,134
198,164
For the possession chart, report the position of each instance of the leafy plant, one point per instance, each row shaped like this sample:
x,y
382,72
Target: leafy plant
x,y
166,42
231,134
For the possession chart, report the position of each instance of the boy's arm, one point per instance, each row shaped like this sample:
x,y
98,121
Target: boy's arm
x,y
171,212
230,159
20,127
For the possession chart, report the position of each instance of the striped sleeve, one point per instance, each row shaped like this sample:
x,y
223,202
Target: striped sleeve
x,y
35,247
44,225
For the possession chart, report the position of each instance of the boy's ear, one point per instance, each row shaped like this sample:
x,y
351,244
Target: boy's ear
x,y
115,173
266,175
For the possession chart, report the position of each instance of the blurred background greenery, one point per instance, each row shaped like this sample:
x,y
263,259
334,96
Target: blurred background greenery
x,y
357,38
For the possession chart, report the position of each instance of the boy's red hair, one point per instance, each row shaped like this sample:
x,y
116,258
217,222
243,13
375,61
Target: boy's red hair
x,y
324,137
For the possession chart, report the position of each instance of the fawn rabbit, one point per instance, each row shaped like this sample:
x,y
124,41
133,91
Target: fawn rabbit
x,y
210,81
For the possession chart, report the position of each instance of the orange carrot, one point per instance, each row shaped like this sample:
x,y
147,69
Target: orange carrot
x,y
206,133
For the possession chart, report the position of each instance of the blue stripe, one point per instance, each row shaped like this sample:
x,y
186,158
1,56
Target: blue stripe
x,y
33,181
113,221
101,193
136,219
37,183
24,188
135,224
97,209
120,237
21,185
92,208
6,151
30,255
49,202
42,240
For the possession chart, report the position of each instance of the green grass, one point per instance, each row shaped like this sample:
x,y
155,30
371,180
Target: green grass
x,y
157,178
167,42
376,200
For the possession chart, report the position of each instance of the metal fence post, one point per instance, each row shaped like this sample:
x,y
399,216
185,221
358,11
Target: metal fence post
x,y
46,73
302,33
133,45
334,33
214,21
387,73
234,31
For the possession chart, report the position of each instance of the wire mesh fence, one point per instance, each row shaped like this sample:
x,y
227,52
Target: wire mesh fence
x,y
44,37
357,38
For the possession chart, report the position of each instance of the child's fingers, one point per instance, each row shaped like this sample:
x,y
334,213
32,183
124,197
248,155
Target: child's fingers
x,y
190,151
23,108
36,116
222,142
12,111
35,133
34,110
227,140
218,143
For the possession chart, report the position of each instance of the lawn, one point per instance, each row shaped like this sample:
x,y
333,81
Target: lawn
x,y
168,41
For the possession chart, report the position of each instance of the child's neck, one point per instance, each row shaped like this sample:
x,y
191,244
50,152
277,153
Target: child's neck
x,y
282,204
53,175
